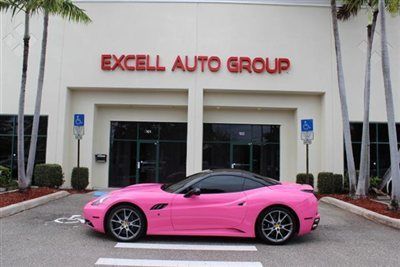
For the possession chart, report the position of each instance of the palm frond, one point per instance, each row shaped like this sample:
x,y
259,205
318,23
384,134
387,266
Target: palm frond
x,y
4,5
14,6
67,9
393,6
350,9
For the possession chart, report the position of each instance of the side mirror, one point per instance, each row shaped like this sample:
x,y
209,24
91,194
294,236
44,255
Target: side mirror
x,y
193,192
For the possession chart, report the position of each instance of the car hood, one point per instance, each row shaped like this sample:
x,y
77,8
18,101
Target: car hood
x,y
287,186
148,187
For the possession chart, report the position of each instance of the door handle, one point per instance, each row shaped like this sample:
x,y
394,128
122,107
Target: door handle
x,y
242,203
138,164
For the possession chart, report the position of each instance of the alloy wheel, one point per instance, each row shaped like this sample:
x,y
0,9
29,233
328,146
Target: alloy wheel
x,y
277,226
125,224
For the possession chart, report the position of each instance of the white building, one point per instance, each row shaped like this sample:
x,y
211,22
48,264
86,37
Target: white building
x,y
157,122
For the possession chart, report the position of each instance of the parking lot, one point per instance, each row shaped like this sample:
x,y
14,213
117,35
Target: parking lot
x,y
33,238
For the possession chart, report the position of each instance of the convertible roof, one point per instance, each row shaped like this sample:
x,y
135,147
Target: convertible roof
x,y
236,171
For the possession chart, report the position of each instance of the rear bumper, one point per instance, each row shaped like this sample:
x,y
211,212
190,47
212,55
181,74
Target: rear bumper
x,y
309,224
316,222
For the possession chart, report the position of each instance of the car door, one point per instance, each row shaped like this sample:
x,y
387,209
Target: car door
x,y
220,205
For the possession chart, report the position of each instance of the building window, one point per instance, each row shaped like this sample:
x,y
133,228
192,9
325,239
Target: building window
x,y
8,141
248,147
379,148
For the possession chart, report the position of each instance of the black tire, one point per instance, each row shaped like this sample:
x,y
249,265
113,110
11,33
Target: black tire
x,y
271,230
129,228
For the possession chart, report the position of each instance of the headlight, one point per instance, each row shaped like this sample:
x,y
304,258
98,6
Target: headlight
x,y
100,201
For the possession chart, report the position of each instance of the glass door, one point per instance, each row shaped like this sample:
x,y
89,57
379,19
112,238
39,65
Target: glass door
x,y
147,152
147,162
122,163
241,156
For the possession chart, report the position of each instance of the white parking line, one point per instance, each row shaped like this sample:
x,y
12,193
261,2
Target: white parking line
x,y
170,263
186,247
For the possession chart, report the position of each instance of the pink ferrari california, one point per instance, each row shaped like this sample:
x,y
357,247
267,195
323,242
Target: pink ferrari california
x,y
210,203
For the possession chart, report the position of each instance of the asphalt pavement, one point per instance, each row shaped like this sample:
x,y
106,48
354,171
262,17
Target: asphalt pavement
x,y
34,238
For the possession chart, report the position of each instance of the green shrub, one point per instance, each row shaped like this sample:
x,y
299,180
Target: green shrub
x,y
80,178
12,185
346,189
375,182
5,177
337,183
48,175
325,182
329,183
301,178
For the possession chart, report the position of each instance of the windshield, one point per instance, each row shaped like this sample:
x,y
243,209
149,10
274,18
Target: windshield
x,y
178,185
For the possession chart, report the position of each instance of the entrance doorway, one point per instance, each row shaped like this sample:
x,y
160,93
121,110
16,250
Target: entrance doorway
x,y
252,148
241,156
147,152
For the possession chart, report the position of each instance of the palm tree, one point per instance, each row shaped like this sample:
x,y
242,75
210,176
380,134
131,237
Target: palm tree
x,y
66,9
394,158
348,9
16,6
343,101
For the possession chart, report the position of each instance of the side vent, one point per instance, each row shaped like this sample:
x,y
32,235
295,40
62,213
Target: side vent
x,y
159,206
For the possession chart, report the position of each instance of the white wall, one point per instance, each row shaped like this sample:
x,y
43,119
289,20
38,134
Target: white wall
x,y
74,81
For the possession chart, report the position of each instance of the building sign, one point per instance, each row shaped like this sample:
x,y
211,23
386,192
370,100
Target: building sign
x,y
234,64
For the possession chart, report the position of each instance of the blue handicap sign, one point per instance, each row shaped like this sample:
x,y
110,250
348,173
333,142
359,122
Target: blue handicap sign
x,y
79,120
307,125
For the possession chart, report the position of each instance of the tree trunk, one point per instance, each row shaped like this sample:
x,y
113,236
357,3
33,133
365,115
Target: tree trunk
x,y
36,116
386,177
363,178
394,158
343,102
23,184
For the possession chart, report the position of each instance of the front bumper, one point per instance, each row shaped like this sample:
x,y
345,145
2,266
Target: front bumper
x,y
94,217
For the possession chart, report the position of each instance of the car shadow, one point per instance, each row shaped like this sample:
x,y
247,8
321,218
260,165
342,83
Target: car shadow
x,y
199,239
296,241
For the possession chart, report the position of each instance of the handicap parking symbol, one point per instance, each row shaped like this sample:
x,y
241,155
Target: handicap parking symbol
x,y
79,119
307,125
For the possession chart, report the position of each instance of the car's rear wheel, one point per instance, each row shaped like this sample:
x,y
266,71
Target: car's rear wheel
x,y
126,223
276,225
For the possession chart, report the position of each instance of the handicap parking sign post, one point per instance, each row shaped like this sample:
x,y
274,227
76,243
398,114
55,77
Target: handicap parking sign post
x,y
79,131
307,135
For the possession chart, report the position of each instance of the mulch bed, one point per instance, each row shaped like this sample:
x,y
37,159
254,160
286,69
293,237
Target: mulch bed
x,y
16,197
367,203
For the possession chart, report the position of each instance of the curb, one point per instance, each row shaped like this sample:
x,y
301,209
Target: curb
x,y
370,215
29,204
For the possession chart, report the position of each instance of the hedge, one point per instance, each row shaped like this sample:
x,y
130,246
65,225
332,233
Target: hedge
x,y
346,184
80,178
48,175
375,182
337,183
5,179
329,183
301,178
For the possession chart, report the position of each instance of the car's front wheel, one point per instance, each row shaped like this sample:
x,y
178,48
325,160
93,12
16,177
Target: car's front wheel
x,y
276,225
126,223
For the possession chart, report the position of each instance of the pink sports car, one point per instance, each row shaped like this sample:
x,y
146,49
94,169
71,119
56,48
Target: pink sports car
x,y
210,203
